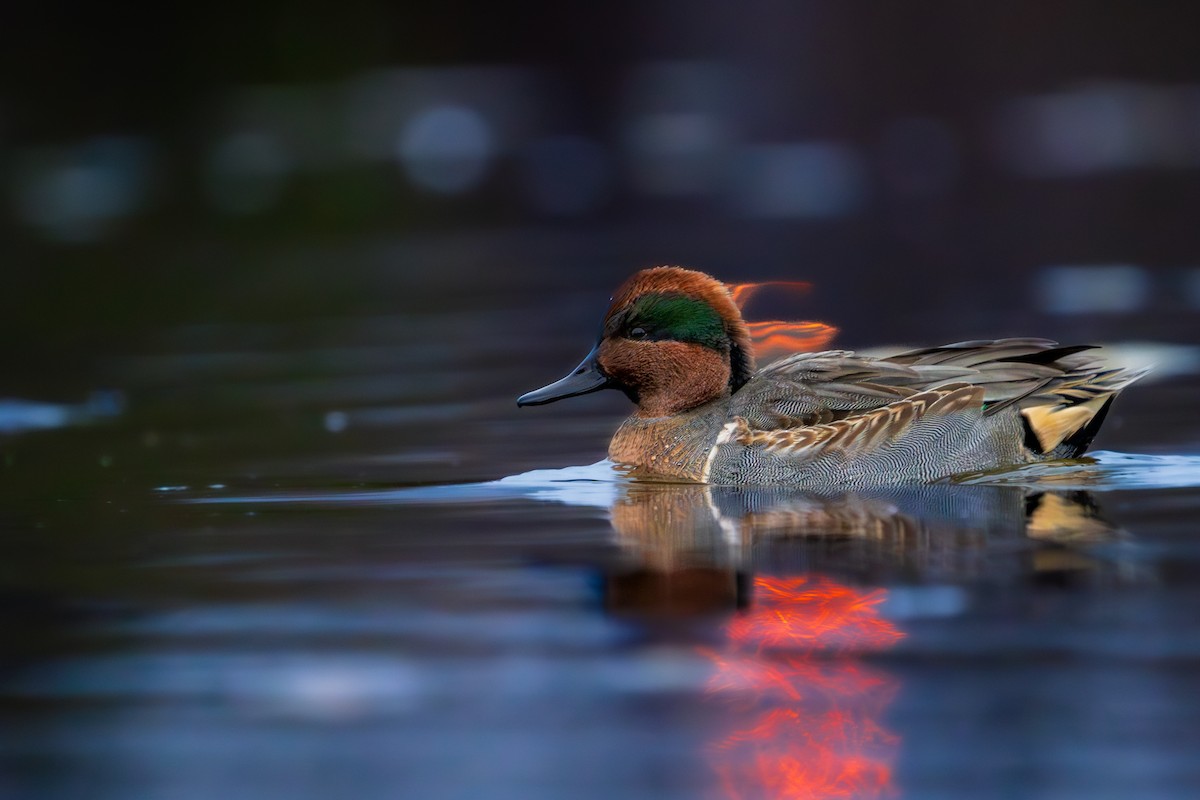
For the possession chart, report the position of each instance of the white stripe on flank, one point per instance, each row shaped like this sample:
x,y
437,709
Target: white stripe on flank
x,y
724,436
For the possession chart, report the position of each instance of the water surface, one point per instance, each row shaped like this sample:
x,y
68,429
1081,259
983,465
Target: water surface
x,y
334,560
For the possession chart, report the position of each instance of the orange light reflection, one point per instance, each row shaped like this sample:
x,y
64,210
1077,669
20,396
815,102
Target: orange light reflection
x,y
816,733
801,613
775,338
742,292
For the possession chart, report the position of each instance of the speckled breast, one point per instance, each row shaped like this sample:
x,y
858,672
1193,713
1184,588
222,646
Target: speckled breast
x,y
670,447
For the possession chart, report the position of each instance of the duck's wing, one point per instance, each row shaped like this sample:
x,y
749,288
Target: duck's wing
x,y
815,388
1060,392
950,410
1011,371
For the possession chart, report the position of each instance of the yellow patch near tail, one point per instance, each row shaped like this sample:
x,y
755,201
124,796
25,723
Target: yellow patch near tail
x,y
1052,424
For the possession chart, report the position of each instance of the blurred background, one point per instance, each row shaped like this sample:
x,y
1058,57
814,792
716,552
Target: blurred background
x,y
935,169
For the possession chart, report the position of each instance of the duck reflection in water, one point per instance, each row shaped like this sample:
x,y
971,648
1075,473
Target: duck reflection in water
x,y
799,578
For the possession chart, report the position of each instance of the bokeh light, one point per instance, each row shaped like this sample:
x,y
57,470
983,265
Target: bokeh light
x,y
446,149
77,194
802,180
1096,288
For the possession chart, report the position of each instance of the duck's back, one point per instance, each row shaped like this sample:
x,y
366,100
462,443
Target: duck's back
x,y
836,418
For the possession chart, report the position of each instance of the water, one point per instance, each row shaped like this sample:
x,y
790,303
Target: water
x,y
332,559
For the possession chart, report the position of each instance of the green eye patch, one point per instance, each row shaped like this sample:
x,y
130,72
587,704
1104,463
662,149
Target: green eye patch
x,y
675,318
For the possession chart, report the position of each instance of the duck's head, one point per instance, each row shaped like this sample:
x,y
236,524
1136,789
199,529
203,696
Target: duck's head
x,y
673,339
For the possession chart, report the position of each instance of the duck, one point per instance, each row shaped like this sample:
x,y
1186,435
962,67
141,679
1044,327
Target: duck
x,y
674,342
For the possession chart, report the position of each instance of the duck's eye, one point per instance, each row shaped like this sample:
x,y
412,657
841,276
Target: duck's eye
x,y
637,333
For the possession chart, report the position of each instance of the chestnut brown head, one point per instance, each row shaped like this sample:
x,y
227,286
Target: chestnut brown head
x,y
672,340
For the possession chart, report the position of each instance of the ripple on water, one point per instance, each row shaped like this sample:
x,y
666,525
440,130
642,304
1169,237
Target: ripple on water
x,y
594,485
1102,471
598,485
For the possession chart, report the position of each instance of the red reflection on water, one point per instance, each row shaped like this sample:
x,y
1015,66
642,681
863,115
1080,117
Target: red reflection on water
x,y
803,612
816,732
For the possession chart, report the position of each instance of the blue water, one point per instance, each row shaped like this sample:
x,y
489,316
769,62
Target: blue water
x,y
599,484
320,583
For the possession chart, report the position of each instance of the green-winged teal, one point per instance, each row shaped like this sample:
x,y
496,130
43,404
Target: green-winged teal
x,y
675,342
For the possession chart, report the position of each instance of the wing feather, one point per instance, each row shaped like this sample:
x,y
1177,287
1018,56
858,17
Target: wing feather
x,y
861,433
821,388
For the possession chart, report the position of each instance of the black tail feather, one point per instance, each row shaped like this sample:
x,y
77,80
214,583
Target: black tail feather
x,y
1078,442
